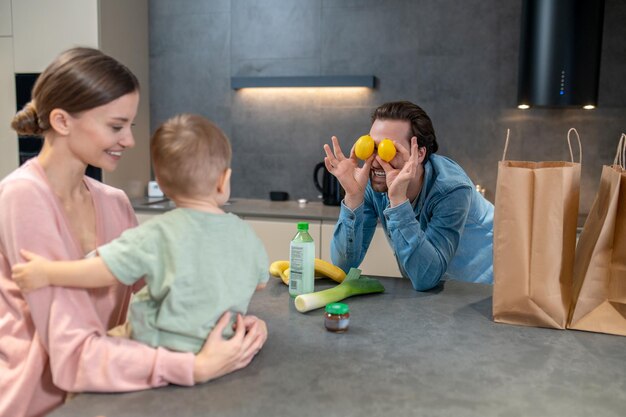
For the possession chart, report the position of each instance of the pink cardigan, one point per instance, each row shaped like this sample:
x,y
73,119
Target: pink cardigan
x,y
54,340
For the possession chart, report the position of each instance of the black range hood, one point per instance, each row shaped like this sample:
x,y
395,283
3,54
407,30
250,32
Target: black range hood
x,y
560,48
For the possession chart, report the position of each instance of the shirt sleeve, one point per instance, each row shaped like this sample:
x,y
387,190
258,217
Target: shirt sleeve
x,y
424,255
262,260
133,255
352,236
81,356
263,263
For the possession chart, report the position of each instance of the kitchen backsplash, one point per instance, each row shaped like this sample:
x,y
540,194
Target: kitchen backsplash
x,y
458,60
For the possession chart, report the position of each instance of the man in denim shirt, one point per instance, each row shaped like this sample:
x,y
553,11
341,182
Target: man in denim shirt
x,y
437,224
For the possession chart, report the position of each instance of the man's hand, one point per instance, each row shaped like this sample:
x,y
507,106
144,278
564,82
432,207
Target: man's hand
x,y
352,178
398,179
32,274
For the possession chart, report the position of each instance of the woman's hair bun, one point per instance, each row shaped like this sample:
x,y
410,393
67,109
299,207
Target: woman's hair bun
x,y
26,122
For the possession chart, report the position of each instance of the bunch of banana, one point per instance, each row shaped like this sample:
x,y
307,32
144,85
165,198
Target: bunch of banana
x,y
280,269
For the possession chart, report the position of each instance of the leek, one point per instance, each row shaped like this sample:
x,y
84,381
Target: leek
x,y
353,284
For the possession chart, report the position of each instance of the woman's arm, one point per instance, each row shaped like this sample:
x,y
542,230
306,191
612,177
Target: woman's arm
x,y
69,323
40,272
219,357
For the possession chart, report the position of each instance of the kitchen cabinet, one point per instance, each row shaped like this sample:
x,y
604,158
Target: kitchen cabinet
x,y
276,234
5,18
8,138
380,259
142,217
41,29
275,222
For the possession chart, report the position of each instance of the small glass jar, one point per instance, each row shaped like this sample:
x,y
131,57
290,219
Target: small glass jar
x,y
337,317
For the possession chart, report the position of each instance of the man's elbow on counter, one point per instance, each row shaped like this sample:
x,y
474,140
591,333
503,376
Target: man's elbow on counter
x,y
427,274
422,284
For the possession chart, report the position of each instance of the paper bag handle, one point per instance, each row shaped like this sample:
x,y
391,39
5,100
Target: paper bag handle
x,y
620,155
569,143
580,146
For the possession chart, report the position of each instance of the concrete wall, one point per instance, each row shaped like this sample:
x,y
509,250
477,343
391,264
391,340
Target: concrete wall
x,y
457,59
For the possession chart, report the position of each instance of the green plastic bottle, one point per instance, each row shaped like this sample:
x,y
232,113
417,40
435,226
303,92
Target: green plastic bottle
x,y
302,262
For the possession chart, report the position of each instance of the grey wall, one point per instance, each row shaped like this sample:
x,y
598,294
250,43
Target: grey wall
x,y
457,59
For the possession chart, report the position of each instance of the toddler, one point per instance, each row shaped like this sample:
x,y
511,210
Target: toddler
x,y
197,260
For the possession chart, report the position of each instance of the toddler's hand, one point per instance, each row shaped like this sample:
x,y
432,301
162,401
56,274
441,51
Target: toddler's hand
x,y
30,275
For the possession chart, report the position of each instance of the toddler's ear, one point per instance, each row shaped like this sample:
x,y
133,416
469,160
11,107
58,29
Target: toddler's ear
x,y
224,182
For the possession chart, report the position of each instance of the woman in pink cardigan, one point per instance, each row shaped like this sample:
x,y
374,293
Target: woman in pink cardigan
x,y
54,341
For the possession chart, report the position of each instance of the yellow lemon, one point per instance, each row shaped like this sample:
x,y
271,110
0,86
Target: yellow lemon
x,y
386,150
364,147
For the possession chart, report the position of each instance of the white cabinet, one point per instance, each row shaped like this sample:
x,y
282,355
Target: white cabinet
x,y
276,235
142,217
8,138
379,260
123,30
44,28
5,18
41,29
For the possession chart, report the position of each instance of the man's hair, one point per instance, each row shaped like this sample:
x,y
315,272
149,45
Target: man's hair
x,y
189,154
421,125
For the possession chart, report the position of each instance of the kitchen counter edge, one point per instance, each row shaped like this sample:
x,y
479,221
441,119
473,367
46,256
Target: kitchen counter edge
x,y
248,207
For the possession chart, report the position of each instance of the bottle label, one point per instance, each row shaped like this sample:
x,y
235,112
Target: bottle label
x,y
302,268
297,254
293,282
340,324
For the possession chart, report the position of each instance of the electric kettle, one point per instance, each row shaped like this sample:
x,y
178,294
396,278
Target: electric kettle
x,y
332,192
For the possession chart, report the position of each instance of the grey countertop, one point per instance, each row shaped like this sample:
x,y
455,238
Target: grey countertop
x,y
247,207
406,354
265,208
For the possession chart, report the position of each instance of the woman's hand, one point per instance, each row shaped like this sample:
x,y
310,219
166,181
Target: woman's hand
x,y
31,274
219,357
398,179
352,178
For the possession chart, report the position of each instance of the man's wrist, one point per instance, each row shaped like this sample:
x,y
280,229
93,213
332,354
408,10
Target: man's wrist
x,y
353,201
396,201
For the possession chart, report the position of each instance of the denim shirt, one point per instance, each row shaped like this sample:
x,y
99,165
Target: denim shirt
x,y
448,233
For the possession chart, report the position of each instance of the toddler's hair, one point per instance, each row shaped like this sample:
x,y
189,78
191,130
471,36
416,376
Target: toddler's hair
x,y
189,154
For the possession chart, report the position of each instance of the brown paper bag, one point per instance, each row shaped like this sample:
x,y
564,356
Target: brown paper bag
x,y
599,288
534,240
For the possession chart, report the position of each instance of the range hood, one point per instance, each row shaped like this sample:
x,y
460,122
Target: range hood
x,y
560,48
